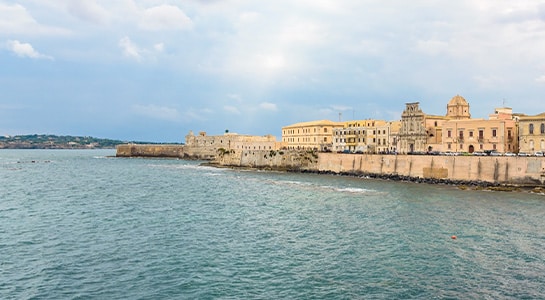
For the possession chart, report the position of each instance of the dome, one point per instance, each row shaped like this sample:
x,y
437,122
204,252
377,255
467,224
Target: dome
x,y
457,100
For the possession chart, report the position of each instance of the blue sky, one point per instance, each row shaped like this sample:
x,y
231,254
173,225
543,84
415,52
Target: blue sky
x,y
151,70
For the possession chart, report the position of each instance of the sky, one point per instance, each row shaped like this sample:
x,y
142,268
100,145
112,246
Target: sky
x,y
152,70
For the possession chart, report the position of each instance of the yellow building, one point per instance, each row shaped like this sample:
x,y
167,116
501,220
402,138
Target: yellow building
x,y
532,133
498,133
313,135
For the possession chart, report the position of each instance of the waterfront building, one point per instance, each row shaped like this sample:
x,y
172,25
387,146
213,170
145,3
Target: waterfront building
x,y
393,137
412,134
531,133
231,141
367,136
313,135
457,131
498,133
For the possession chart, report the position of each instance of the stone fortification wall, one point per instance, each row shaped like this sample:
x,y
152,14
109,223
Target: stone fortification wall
x,y
170,151
491,169
272,159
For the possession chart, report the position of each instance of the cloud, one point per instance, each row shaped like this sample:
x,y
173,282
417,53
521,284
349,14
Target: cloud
x,y
159,47
541,79
130,50
15,19
25,50
165,17
88,10
431,47
231,109
268,106
157,112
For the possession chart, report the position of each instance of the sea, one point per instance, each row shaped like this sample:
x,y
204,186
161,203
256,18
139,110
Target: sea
x,y
83,224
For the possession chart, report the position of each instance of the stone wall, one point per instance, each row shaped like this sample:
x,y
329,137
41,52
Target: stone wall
x,y
491,169
162,150
272,159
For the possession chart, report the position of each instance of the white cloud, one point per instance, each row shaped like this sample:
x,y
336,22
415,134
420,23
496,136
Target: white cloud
x,y
231,109
159,47
130,50
25,50
88,10
541,79
15,19
431,47
157,112
268,106
165,17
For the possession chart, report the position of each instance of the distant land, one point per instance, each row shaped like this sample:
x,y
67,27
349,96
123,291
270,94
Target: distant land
x,y
48,141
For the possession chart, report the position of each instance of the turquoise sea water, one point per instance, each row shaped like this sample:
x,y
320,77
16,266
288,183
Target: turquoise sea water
x,y
82,225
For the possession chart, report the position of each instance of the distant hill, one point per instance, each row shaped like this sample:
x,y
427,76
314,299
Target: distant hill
x,y
46,141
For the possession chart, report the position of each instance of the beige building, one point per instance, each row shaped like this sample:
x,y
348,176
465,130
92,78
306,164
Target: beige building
x,y
313,135
531,133
479,135
412,134
232,141
456,131
358,136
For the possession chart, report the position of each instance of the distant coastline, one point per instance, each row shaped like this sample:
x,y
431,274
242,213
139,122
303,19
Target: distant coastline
x,y
49,141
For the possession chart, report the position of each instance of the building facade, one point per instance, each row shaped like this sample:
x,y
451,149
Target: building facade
x,y
231,141
412,134
531,133
313,135
361,136
498,133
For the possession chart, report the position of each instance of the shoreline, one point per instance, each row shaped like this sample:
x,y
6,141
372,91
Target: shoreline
x,y
460,184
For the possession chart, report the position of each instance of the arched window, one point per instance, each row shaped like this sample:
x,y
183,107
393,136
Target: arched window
x,y
531,128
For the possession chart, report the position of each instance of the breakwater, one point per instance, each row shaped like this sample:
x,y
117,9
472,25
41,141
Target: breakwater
x,y
523,171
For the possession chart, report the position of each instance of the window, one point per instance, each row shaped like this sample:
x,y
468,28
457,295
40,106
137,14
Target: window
x,y
325,129
542,128
494,146
449,133
449,146
481,146
461,134
531,128
325,139
494,132
481,134
471,134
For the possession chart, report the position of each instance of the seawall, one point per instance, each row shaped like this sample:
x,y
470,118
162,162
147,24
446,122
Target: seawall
x,y
163,150
520,171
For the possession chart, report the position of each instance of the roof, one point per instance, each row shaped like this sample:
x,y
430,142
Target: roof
x,y
315,123
457,100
